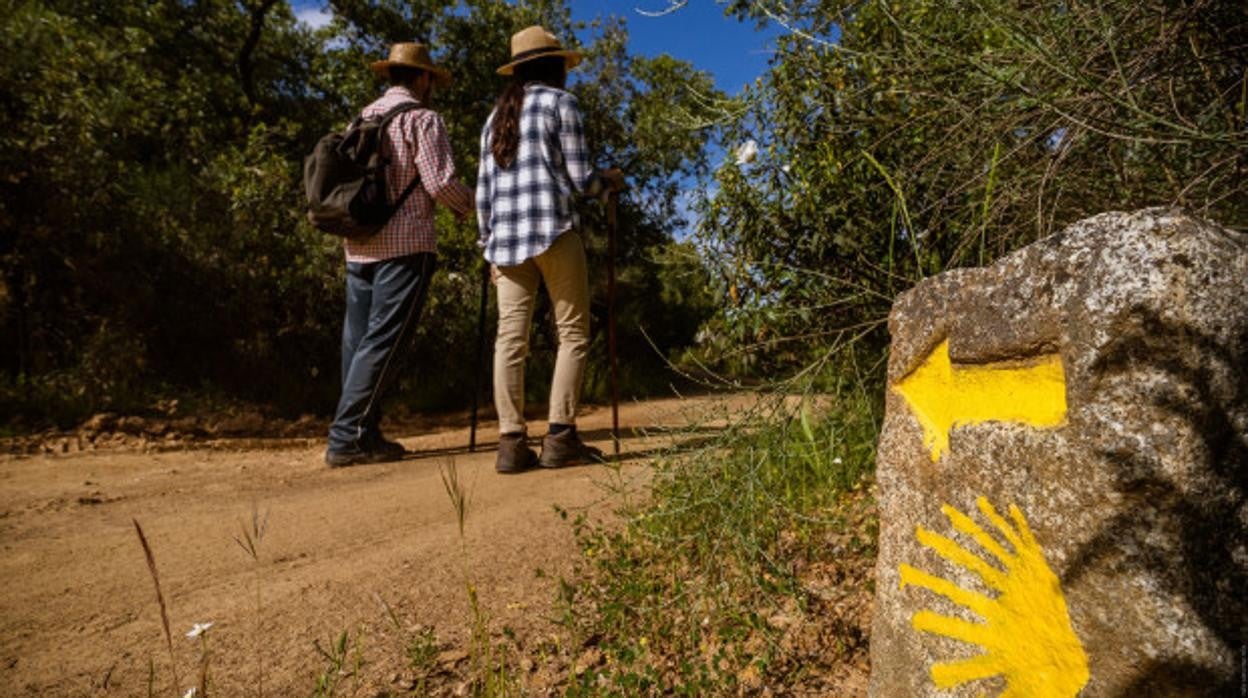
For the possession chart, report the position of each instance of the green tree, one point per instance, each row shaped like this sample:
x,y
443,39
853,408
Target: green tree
x,y
901,139
151,231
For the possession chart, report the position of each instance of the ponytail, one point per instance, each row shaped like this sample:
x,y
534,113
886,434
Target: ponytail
x,y
505,133
505,129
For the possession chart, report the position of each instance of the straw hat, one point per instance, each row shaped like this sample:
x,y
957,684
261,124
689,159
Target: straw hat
x,y
413,56
536,42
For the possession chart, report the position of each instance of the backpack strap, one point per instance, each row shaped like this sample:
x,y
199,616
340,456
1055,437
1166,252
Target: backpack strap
x,y
408,191
397,109
389,116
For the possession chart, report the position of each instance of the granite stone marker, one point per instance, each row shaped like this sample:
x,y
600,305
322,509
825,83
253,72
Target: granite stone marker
x,y
1063,468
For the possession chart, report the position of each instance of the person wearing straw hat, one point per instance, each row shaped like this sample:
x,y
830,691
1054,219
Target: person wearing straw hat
x,y
388,273
533,160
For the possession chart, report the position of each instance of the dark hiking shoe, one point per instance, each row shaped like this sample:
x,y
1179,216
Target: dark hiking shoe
x,y
566,448
382,452
514,454
345,459
380,445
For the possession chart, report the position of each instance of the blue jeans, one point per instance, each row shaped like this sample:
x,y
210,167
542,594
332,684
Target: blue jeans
x,y
384,300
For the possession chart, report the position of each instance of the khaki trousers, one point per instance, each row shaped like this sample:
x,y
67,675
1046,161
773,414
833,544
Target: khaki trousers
x,y
562,267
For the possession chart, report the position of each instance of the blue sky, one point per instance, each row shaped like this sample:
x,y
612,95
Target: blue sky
x,y
733,52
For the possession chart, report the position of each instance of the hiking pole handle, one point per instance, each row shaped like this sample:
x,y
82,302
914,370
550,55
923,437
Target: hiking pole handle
x,y
612,201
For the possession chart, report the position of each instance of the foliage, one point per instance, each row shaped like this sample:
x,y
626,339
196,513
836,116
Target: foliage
x,y
679,598
898,140
151,230
337,665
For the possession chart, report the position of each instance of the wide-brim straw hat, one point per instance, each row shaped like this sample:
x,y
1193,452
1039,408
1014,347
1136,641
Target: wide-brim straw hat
x,y
412,55
533,43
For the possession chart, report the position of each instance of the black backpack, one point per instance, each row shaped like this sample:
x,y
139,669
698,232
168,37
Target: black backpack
x,y
345,178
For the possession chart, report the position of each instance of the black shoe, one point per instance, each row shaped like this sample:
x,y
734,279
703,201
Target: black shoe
x,y
344,459
393,449
514,454
566,448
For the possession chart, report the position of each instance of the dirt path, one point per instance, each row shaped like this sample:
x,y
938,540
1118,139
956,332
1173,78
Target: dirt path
x,y
78,614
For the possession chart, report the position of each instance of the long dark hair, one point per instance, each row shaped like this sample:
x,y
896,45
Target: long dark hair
x,y
505,129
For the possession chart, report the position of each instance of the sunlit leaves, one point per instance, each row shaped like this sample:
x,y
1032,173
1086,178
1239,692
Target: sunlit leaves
x,y
899,139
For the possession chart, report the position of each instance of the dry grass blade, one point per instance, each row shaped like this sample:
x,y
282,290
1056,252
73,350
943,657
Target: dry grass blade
x,y
251,537
203,677
456,491
394,617
160,599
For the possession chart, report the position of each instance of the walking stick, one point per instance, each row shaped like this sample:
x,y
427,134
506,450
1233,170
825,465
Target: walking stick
x,y
612,199
476,391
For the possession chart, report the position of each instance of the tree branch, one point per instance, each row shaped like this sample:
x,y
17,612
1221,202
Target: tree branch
x,y
246,67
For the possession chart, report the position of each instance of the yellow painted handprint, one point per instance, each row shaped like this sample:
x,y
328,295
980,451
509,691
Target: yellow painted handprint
x,y
1026,635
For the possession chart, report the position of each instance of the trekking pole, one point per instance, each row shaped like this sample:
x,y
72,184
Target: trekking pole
x,y
612,199
476,391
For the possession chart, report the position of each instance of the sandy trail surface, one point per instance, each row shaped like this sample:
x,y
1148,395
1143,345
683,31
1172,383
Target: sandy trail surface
x,y
78,613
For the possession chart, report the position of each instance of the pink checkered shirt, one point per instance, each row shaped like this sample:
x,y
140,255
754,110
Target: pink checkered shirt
x,y
416,141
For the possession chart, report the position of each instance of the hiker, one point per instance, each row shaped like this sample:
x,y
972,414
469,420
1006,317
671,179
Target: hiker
x,y
533,158
388,273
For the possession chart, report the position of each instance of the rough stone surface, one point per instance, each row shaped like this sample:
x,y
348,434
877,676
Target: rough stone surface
x,y
1138,500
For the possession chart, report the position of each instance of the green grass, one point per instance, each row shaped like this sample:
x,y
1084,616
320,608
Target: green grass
x,y
680,598
342,659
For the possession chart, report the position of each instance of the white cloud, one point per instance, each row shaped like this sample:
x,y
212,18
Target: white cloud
x,y
313,16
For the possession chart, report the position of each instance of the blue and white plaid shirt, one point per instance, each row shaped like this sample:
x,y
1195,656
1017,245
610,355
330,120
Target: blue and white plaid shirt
x,y
523,209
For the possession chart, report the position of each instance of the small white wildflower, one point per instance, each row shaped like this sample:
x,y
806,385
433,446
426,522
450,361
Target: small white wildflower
x,y
836,461
746,152
198,629
192,691
454,277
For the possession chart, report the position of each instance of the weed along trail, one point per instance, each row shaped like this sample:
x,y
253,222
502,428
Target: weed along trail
x,y
356,580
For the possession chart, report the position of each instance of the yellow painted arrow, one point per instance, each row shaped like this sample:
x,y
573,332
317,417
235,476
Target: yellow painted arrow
x,y
943,395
